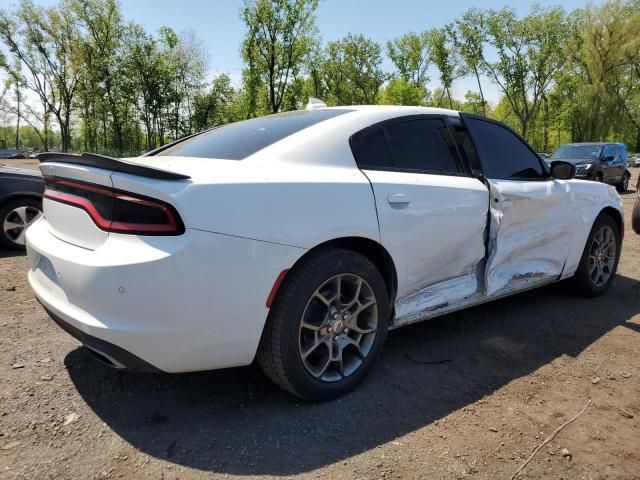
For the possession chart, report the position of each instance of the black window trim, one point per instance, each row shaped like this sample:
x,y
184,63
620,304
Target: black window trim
x,y
450,140
544,167
459,148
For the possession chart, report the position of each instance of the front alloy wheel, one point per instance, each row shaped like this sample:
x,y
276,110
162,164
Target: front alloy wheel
x,y
603,256
600,258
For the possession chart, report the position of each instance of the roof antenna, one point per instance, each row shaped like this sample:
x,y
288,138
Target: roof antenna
x,y
315,104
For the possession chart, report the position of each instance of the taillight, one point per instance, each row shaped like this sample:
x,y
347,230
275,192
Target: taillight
x,y
115,211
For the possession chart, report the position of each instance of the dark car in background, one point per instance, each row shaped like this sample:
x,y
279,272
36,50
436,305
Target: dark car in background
x,y
598,161
11,153
20,203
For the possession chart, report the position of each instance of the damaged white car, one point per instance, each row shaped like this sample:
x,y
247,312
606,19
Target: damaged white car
x,y
302,238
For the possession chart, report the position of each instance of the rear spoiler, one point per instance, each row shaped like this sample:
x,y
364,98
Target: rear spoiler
x,y
109,163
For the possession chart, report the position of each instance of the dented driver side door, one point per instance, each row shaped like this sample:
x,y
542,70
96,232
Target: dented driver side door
x,y
530,215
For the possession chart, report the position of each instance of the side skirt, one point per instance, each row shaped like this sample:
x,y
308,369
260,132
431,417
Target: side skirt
x,y
427,310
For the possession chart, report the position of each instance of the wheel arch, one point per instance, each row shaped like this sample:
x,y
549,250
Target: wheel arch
x,y
617,217
18,195
371,250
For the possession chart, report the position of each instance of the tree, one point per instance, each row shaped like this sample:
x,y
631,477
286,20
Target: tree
x,y
279,35
411,55
446,61
530,52
468,36
44,41
213,108
352,71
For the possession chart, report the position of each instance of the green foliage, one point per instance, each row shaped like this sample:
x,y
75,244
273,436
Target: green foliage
x,y
278,38
78,76
352,71
401,91
411,55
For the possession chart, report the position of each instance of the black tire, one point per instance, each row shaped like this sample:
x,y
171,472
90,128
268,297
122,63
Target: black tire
x,y
279,351
6,240
582,280
623,186
635,216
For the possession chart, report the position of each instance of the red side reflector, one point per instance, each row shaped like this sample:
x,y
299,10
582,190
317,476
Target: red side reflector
x,y
276,287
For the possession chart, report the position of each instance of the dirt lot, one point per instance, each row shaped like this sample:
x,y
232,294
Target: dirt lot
x,y
518,369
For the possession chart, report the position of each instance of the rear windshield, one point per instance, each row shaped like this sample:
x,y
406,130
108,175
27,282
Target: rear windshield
x,y
236,141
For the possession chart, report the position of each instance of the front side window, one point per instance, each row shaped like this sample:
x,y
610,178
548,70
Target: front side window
x,y
610,151
504,154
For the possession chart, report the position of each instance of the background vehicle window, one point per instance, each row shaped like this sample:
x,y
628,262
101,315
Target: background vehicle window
x,y
421,145
610,151
504,154
370,149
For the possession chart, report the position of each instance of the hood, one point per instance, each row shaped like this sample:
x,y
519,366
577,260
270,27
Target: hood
x,y
575,161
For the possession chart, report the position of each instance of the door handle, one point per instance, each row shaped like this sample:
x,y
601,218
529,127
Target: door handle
x,y
398,199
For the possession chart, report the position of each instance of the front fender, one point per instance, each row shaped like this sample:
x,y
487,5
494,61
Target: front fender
x,y
589,199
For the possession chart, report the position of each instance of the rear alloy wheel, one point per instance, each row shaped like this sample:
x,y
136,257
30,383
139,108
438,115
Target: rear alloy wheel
x,y
600,258
327,325
623,186
338,328
15,217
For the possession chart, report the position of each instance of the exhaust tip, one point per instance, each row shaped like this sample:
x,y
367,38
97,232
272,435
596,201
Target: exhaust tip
x,y
105,359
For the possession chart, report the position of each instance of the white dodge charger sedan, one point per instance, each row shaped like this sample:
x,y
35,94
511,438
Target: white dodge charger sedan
x,y
301,238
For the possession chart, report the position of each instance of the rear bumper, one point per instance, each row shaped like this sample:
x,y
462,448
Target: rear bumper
x,y
175,304
109,353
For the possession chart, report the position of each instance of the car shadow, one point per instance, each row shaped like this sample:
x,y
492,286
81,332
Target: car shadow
x,y
235,421
4,253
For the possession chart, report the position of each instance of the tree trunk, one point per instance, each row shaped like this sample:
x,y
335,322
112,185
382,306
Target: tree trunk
x,y
484,108
18,117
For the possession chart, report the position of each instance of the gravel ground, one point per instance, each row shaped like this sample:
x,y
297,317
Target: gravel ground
x,y
516,369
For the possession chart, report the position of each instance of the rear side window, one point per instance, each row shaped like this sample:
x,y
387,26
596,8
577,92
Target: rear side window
x,y
370,149
239,140
415,145
504,154
421,145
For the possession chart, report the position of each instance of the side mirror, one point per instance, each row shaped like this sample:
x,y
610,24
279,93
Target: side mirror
x,y
563,170
609,158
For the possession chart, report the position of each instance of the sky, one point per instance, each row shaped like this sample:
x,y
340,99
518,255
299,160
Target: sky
x,y
218,24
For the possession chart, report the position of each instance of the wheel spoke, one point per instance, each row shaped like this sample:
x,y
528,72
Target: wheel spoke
x,y
362,307
310,326
22,213
322,298
362,331
313,348
9,225
350,341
